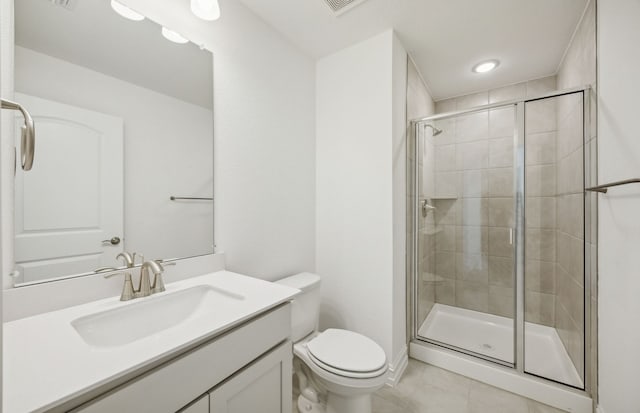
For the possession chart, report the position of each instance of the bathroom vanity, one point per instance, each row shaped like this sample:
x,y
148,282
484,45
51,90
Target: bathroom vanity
x,y
136,112
218,342
125,163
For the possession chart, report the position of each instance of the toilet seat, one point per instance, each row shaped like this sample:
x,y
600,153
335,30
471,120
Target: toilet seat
x,y
346,373
340,382
347,354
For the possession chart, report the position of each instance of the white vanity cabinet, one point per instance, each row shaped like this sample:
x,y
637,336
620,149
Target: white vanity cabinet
x,y
263,387
248,368
199,406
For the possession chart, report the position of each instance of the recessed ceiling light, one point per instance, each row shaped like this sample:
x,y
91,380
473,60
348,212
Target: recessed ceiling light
x,y
206,9
486,66
173,36
126,12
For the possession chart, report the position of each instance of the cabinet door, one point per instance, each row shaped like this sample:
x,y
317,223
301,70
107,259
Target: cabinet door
x,y
199,406
264,386
196,372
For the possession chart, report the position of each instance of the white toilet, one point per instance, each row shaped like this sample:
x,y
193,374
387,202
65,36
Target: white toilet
x,y
338,370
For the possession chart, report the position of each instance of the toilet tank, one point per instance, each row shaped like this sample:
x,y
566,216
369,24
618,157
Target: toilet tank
x,y
305,308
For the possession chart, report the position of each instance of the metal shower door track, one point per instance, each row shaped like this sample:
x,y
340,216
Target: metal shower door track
x,y
519,201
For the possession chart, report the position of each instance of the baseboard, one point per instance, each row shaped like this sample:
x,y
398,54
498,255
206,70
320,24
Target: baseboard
x,y
397,367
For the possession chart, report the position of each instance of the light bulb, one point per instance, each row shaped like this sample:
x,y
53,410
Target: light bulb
x,y
173,36
126,12
206,9
487,66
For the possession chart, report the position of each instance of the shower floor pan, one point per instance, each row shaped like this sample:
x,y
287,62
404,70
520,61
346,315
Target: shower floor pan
x,y
492,336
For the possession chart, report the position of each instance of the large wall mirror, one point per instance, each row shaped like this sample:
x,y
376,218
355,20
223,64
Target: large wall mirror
x,y
124,150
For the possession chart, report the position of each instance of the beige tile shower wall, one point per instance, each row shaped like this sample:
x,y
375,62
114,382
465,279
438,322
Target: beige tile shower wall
x,y
426,227
474,201
577,69
540,211
420,104
570,230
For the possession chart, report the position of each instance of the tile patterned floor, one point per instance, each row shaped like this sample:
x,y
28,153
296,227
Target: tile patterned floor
x,y
428,389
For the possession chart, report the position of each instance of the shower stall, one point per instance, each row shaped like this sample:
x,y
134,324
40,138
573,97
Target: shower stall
x,y
502,240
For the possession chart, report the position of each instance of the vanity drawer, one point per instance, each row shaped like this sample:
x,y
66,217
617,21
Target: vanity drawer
x,y
175,384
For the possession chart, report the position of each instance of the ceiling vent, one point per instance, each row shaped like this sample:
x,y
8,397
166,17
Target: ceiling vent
x,y
67,4
342,6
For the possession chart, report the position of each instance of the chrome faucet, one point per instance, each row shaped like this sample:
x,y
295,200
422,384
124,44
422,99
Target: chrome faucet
x,y
129,258
145,286
129,262
157,286
128,293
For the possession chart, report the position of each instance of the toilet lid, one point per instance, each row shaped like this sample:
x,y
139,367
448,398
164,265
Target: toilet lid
x,y
347,351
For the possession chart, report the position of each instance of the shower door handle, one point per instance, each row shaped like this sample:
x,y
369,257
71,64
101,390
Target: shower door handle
x,y
510,236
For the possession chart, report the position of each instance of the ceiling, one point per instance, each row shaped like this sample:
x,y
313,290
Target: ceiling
x,y
444,37
92,35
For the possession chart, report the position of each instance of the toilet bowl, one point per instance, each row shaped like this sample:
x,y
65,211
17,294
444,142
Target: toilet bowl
x,y
338,370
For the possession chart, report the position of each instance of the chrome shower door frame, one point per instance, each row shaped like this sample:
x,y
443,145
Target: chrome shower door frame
x,y
519,234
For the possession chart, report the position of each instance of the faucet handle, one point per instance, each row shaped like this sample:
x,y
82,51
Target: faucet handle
x,y
112,274
128,293
104,269
135,255
164,263
158,282
129,259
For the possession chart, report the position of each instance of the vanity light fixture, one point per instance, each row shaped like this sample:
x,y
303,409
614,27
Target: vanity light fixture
x,y
486,66
173,36
206,9
126,12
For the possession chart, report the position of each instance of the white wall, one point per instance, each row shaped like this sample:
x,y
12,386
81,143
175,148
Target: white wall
x,y
6,166
168,150
619,227
264,138
6,141
399,205
264,125
360,127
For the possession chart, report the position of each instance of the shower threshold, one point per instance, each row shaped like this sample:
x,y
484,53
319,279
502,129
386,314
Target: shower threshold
x,y
492,336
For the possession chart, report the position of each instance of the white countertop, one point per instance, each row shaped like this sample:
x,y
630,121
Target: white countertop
x,y
47,363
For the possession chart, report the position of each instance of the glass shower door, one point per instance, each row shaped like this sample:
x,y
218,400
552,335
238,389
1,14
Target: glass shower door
x,y
465,232
503,235
554,268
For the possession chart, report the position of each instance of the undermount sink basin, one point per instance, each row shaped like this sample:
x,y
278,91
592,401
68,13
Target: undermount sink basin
x,y
147,316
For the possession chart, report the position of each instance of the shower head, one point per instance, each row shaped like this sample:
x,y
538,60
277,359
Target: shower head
x,y
436,131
